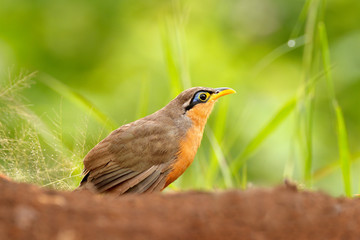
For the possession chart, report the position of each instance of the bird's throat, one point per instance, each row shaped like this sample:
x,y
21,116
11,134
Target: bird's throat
x,y
191,141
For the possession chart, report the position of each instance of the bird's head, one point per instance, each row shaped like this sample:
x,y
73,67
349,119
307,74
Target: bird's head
x,y
197,102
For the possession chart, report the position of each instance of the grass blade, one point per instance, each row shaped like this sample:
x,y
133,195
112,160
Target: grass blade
x,y
215,135
221,162
269,128
326,59
306,114
173,36
340,122
331,167
308,160
78,99
343,150
276,53
244,177
173,71
300,20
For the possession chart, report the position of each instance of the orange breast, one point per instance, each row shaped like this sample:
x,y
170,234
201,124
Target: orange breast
x,y
191,142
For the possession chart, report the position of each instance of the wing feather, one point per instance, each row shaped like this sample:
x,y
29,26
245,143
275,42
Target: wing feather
x,y
146,183
115,183
135,158
110,177
132,182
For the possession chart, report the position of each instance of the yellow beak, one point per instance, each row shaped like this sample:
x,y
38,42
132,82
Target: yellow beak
x,y
219,92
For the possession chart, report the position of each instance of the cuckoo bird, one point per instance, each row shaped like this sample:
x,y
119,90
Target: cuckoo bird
x,y
152,152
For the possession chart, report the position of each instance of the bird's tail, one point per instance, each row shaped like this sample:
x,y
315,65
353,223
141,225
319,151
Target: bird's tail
x,y
85,185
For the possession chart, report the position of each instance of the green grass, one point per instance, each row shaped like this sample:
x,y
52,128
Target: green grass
x,y
344,151
77,99
32,150
263,134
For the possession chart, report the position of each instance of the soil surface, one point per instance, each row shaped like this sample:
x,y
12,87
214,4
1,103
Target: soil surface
x,y
30,212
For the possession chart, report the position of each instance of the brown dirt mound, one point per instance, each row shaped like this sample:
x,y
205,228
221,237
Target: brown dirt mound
x,y
29,212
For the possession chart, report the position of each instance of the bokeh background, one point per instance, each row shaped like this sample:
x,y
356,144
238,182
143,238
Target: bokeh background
x,y
101,64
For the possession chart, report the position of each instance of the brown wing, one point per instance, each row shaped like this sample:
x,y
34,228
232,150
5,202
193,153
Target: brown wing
x,y
134,158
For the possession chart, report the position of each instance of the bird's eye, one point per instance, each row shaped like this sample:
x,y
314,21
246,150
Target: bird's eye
x,y
202,97
199,97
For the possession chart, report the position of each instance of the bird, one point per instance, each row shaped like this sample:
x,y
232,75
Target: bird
x,y
148,154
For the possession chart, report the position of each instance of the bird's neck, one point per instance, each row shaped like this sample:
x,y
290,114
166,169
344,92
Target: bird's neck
x,y
199,115
190,142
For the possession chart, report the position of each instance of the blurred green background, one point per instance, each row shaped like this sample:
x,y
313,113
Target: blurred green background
x,y
101,64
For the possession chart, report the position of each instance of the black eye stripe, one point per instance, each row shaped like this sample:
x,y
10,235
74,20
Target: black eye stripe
x,y
198,94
